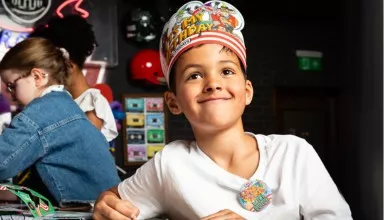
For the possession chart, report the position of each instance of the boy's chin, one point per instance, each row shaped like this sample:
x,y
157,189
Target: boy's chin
x,y
217,124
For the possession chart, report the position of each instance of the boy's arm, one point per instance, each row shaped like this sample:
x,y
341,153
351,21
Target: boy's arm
x,y
319,195
110,206
140,196
20,146
145,188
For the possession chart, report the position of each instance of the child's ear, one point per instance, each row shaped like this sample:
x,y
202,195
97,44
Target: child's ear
x,y
248,92
41,78
172,103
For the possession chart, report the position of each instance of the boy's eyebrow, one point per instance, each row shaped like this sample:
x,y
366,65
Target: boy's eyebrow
x,y
227,61
190,66
194,65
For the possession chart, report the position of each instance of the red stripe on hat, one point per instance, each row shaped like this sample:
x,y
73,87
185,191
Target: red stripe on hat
x,y
224,42
228,36
231,35
237,48
236,45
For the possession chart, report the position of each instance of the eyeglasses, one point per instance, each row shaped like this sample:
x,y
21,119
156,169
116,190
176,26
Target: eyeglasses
x,y
12,85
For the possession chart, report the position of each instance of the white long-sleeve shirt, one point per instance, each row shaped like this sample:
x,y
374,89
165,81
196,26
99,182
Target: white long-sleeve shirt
x,y
185,183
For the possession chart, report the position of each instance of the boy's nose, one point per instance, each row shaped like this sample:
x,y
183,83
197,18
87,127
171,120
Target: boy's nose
x,y
212,85
211,89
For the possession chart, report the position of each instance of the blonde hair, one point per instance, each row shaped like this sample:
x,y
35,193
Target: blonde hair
x,y
38,53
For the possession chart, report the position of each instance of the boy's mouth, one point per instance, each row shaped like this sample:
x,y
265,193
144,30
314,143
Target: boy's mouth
x,y
213,99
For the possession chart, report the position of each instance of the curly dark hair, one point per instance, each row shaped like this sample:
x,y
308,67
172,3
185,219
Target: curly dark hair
x,y
73,33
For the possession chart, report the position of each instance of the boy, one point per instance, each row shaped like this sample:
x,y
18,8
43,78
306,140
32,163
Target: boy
x,y
225,173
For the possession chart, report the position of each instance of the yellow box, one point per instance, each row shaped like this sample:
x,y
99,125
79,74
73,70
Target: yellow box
x,y
153,149
135,120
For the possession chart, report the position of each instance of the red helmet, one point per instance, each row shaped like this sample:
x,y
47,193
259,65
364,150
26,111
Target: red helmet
x,y
145,65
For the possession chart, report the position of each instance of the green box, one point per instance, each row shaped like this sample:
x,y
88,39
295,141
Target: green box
x,y
310,60
155,136
310,64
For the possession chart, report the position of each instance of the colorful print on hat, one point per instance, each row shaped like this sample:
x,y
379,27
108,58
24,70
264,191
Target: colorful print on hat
x,y
200,23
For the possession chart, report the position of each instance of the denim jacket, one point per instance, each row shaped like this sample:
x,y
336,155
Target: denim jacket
x,y
53,135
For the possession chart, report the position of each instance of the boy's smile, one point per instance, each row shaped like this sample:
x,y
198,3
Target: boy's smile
x,y
211,89
213,100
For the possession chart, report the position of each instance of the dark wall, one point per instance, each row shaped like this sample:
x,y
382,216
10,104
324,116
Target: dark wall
x,y
119,77
361,109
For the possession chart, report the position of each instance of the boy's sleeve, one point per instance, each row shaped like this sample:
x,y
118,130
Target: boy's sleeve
x,y
144,189
20,146
320,198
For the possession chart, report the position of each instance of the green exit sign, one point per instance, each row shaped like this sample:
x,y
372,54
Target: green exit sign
x,y
310,60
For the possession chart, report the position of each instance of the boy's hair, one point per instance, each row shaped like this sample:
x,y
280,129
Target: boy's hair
x,y
73,33
172,73
37,53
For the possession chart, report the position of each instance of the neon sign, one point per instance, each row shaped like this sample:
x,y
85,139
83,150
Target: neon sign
x,y
22,15
77,8
26,12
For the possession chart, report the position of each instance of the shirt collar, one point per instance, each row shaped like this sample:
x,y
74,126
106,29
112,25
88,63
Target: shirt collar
x,y
56,88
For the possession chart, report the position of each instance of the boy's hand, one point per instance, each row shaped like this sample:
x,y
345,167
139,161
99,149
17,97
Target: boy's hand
x,y
110,206
225,214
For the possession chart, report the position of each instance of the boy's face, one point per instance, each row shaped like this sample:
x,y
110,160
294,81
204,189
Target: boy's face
x,y
210,87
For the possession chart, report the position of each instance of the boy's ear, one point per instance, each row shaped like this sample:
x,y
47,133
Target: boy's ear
x,y
172,103
248,92
41,78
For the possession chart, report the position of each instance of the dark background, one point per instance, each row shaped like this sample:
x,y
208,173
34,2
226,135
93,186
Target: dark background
x,y
341,107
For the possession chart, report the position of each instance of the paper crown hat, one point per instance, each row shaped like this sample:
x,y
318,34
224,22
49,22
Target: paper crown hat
x,y
200,23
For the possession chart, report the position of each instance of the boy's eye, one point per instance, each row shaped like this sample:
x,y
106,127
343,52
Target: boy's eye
x,y
228,72
194,76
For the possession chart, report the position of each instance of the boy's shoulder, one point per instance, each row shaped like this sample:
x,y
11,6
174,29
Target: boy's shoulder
x,y
269,142
285,138
178,146
284,150
175,152
282,142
